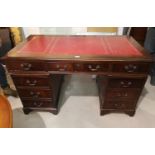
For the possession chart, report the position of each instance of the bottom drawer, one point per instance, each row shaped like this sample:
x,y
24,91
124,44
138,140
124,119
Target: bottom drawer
x,y
37,103
119,104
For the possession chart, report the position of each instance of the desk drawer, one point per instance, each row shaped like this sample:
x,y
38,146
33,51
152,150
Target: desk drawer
x,y
37,103
122,94
25,65
130,67
34,93
59,66
91,67
96,67
126,83
31,80
119,105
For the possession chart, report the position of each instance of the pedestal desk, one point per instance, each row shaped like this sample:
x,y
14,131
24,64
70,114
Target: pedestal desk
x,y
39,64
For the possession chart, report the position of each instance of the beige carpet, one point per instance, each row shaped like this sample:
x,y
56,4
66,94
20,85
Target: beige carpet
x,y
80,108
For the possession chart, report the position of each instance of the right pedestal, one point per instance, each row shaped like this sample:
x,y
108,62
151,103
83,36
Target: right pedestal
x,y
119,94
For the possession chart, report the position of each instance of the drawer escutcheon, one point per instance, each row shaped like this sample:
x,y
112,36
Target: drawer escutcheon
x,y
26,66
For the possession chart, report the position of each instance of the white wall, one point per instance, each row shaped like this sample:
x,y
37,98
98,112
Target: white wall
x,y
64,30
31,30
120,30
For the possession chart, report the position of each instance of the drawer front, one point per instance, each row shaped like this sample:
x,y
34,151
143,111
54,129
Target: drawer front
x,y
37,103
122,94
119,105
130,68
96,67
126,83
35,93
25,65
91,67
31,81
61,67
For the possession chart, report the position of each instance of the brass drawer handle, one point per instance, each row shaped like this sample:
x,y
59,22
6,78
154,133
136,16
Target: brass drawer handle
x,y
94,69
126,84
58,66
78,65
38,104
116,105
130,68
35,94
121,105
31,83
61,68
26,66
122,94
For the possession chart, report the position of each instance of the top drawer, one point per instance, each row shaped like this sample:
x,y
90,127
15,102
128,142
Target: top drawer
x,y
131,67
25,65
91,67
96,67
59,66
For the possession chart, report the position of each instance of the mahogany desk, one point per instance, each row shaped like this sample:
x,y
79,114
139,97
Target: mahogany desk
x,y
38,65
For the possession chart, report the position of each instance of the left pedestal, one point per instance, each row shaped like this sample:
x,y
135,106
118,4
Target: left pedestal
x,y
38,91
37,88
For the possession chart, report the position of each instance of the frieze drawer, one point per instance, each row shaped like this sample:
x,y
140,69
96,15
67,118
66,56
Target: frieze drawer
x,y
96,67
130,67
25,65
60,67
91,67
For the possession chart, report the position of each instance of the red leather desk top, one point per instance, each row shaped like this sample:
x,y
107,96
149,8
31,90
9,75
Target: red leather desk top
x,y
79,46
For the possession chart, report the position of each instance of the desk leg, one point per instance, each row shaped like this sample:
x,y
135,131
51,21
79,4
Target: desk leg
x,y
26,111
128,112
